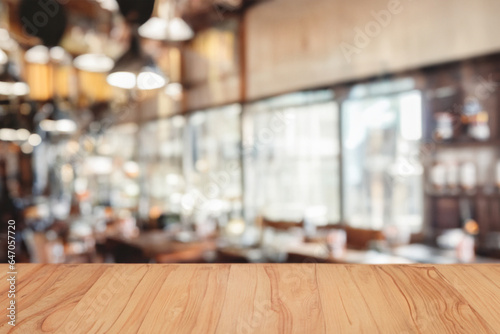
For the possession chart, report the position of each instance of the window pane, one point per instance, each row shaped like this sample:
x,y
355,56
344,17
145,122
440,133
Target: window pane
x,y
213,161
291,156
382,173
161,157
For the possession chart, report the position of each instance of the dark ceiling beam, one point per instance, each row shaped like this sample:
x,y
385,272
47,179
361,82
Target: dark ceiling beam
x,y
200,15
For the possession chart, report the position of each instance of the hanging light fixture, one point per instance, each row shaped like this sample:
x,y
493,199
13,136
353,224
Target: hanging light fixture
x,y
167,26
10,85
49,74
94,91
171,30
96,63
55,20
11,129
58,122
92,73
8,128
135,69
11,89
179,30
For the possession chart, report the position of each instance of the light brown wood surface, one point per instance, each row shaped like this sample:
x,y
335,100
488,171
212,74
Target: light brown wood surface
x,y
267,298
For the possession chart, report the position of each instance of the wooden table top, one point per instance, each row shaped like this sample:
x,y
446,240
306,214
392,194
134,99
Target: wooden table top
x,y
161,247
254,298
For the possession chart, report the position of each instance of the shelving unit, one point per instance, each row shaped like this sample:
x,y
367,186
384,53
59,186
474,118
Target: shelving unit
x,y
448,86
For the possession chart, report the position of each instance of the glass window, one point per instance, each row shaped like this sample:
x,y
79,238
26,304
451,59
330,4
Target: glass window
x,y
114,168
291,159
161,159
213,161
381,170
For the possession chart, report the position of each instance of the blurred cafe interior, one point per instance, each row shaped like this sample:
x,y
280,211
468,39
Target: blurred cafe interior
x,y
247,131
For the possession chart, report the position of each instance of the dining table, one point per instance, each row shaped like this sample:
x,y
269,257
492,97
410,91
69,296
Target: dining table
x,y
251,298
162,247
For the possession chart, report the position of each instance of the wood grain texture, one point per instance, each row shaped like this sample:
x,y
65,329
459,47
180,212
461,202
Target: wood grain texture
x,y
266,298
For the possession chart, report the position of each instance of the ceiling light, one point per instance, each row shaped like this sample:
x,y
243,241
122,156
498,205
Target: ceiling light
x,y
10,85
59,55
174,29
92,72
95,63
13,135
22,134
7,134
59,122
19,89
125,80
167,26
38,55
11,129
62,126
150,80
155,28
14,89
136,70
65,125
34,140
179,30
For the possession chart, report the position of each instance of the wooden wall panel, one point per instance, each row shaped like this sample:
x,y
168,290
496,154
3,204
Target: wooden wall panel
x,y
211,68
296,44
218,92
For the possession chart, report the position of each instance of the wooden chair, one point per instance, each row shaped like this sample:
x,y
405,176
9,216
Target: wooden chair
x,y
358,238
124,253
281,225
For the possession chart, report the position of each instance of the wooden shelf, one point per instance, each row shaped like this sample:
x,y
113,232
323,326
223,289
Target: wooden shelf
x,y
464,144
461,195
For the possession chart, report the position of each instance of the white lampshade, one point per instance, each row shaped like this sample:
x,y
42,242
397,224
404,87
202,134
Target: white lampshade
x,y
174,30
136,70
